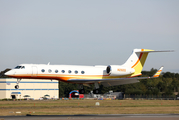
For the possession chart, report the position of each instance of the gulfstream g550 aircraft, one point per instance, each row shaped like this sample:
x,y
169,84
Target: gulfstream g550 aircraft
x,y
110,75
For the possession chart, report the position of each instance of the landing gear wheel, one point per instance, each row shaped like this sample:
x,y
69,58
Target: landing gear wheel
x,y
96,91
17,86
82,91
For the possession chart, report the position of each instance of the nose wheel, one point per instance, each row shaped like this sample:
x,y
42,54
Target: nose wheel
x,y
17,87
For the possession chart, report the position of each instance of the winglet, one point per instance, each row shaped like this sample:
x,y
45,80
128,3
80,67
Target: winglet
x,y
158,73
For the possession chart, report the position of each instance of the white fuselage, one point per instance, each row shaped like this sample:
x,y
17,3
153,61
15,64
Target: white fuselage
x,y
66,72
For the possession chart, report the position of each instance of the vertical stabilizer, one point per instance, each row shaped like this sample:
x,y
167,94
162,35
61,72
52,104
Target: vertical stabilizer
x,y
137,60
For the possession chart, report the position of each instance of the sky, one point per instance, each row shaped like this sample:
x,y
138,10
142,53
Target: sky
x,y
88,32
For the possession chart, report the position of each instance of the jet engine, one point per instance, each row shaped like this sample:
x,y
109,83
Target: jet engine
x,y
117,70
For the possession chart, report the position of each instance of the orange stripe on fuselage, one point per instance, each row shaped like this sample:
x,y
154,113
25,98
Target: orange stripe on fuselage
x,y
65,77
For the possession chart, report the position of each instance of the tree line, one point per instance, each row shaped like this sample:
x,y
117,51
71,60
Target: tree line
x,y
2,73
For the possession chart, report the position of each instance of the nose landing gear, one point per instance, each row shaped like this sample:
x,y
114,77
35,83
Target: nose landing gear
x,y
17,86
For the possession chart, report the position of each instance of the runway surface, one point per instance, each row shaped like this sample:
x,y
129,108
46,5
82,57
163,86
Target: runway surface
x,y
90,117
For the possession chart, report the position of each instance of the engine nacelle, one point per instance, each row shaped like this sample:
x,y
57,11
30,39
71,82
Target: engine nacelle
x,y
116,70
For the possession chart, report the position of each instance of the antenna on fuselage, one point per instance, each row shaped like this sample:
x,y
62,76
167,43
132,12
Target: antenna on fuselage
x,y
48,63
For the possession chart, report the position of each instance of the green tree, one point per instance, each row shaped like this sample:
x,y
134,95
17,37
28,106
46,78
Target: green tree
x,y
3,72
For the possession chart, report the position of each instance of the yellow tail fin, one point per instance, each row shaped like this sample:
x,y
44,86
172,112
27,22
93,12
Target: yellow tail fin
x,y
137,60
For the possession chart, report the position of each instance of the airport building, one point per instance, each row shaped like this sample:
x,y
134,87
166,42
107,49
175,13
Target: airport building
x,y
28,88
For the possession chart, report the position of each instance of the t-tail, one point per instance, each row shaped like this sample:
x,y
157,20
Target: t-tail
x,y
137,60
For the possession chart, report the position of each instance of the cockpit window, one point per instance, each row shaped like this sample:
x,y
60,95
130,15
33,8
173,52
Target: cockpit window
x,y
20,67
23,67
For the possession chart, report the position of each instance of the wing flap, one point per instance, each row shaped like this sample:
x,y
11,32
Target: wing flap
x,y
104,80
150,51
121,82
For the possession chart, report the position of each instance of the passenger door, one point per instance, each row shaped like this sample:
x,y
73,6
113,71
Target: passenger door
x,y
34,71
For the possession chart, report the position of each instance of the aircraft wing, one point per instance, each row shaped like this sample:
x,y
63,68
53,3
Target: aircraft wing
x,y
114,81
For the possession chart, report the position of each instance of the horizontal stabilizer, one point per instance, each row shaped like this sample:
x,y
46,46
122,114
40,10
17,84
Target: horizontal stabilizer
x,y
147,51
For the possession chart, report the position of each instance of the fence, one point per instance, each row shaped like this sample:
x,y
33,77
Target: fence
x,y
151,97
132,97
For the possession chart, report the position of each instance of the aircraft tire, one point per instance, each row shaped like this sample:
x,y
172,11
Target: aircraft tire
x,y
82,91
17,87
96,91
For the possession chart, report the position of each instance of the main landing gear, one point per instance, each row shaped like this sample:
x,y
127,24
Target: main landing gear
x,y
17,86
82,90
95,91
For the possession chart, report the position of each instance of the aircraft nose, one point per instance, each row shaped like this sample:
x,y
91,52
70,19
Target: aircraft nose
x,y
9,73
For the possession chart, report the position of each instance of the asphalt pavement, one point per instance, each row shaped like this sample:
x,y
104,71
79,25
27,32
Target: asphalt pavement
x,y
90,117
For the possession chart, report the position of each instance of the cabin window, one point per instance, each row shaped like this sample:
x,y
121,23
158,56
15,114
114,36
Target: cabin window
x,y
82,72
43,70
63,71
76,72
56,71
23,67
69,71
49,70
